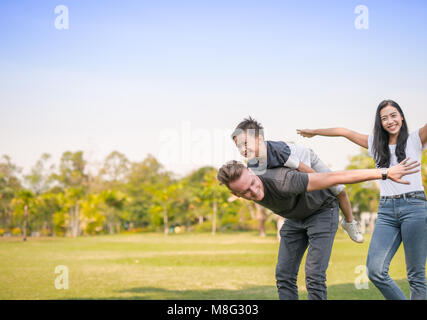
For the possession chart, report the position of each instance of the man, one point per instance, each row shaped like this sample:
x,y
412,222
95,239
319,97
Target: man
x,y
262,154
311,212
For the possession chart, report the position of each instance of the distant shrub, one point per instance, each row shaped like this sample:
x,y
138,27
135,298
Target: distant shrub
x,y
16,231
1,232
204,227
135,230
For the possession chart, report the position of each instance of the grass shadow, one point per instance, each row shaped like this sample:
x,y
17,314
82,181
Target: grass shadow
x,y
346,291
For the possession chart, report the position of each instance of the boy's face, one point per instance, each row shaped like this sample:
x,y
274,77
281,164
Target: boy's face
x,y
247,144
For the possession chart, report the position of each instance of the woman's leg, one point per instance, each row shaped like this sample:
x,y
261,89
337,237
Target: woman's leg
x,y
384,244
414,237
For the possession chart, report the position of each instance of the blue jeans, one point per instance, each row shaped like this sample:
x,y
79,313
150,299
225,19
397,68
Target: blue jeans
x,y
317,232
399,220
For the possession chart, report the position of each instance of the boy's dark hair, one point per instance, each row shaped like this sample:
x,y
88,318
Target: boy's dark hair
x,y
251,125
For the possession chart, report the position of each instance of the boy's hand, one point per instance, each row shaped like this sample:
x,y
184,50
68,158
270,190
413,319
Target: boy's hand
x,y
396,172
308,133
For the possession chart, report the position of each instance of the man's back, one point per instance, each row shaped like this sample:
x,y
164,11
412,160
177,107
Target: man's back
x,y
285,193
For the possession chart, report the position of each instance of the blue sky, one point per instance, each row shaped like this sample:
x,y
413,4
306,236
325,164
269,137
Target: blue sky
x,y
126,75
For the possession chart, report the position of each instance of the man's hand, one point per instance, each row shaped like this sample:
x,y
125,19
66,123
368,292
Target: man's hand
x,y
396,172
308,133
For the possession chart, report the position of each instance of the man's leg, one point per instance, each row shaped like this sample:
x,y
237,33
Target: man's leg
x,y
293,243
321,229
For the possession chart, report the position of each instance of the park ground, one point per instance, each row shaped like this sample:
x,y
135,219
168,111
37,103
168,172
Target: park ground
x,y
179,266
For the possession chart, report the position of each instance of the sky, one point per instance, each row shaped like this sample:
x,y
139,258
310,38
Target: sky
x,y
174,78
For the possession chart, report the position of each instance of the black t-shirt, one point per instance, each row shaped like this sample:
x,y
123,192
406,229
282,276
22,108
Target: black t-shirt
x,y
278,153
285,193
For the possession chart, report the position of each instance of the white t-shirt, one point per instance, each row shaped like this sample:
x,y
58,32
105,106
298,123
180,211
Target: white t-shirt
x,y
298,153
414,149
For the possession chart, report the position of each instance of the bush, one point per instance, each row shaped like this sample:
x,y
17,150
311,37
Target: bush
x,y
1,232
230,222
16,231
134,230
204,227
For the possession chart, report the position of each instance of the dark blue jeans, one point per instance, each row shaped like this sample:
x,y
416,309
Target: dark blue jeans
x,y
399,220
316,232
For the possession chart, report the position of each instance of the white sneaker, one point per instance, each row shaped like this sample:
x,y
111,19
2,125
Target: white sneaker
x,y
352,230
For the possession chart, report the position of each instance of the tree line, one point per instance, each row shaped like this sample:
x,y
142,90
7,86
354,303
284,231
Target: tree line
x,y
121,195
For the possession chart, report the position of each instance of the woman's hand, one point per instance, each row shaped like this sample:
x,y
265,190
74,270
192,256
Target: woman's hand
x,y
308,133
396,172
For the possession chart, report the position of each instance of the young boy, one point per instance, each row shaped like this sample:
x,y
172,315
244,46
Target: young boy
x,y
249,139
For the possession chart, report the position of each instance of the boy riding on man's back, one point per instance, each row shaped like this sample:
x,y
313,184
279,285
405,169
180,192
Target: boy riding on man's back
x,y
249,139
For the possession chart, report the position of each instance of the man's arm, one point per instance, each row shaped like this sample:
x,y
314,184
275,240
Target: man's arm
x,y
319,181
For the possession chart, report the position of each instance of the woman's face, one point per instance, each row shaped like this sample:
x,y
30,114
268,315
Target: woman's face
x,y
391,120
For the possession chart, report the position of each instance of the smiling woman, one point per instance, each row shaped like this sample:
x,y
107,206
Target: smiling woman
x,y
402,211
390,129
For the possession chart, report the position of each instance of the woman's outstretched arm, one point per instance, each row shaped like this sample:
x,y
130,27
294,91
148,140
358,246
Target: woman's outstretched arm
x,y
353,136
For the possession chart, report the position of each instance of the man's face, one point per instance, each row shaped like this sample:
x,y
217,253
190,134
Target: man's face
x,y
247,145
248,186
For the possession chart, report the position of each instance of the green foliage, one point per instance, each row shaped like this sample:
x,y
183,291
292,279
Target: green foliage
x,y
136,196
92,214
203,227
363,196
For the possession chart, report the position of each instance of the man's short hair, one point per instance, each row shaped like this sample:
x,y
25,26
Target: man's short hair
x,y
251,125
229,172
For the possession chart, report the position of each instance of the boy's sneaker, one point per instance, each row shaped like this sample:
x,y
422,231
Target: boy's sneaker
x,y
353,231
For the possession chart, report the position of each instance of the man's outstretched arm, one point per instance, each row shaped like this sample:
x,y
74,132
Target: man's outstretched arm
x,y
319,181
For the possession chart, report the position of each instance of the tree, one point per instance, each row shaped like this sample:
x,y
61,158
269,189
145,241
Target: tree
x,y
114,201
22,203
363,196
74,181
9,187
38,180
215,193
143,180
72,170
116,167
46,205
93,214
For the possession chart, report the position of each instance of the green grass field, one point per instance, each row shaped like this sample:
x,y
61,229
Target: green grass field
x,y
179,266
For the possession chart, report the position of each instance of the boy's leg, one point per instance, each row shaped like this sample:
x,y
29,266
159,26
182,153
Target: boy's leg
x,y
293,243
345,206
351,227
321,229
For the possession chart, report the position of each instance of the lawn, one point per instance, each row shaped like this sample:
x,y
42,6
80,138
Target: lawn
x,y
179,266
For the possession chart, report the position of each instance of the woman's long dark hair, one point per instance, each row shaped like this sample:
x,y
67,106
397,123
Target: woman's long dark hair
x,y
380,144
